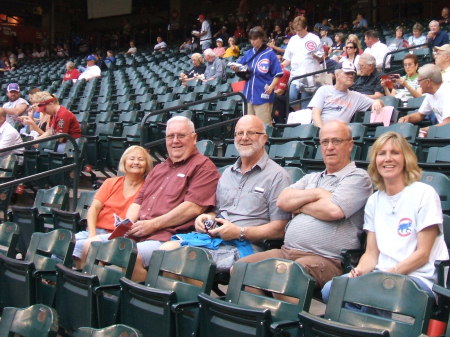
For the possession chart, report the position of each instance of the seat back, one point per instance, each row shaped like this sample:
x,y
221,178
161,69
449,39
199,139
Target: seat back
x,y
295,173
441,184
32,280
290,152
438,154
301,132
9,236
106,263
245,312
36,321
73,220
394,293
206,147
117,330
176,276
46,199
407,130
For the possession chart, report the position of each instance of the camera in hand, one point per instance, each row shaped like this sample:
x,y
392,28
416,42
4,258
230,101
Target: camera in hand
x,y
211,223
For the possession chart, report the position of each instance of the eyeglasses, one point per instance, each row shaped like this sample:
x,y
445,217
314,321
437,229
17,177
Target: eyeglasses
x,y
250,134
407,65
349,47
180,136
334,141
421,79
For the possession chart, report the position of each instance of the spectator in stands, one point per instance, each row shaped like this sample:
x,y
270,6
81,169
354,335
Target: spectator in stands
x,y
337,102
132,50
437,101
360,22
246,198
219,50
445,17
114,197
240,33
34,120
398,42
222,34
3,68
324,38
61,119
328,209
375,48
174,193
215,67
442,60
279,49
187,46
16,105
265,72
408,86
279,105
338,44
72,72
436,36
368,81
197,69
352,55
160,44
9,136
91,71
232,50
110,58
35,54
204,34
303,53
403,219
417,38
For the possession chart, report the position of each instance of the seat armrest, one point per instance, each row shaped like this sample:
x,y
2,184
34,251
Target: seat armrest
x,y
179,307
278,328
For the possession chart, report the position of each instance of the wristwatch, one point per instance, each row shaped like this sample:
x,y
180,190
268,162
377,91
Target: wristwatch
x,y
242,234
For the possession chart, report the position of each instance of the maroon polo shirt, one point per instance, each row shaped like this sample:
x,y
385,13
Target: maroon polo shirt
x,y
169,184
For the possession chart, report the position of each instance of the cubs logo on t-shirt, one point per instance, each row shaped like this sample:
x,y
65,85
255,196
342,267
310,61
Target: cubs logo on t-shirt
x,y
310,45
263,65
404,227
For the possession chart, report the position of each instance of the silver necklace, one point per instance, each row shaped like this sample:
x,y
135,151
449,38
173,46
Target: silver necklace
x,y
393,201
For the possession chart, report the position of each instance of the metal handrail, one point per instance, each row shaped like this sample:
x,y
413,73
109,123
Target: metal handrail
x,y
44,174
403,50
287,102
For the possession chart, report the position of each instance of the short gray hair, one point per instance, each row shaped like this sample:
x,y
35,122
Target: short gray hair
x,y
70,64
431,71
209,52
433,22
182,119
368,59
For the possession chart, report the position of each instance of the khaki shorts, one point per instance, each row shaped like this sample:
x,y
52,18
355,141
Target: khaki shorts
x,y
321,268
263,111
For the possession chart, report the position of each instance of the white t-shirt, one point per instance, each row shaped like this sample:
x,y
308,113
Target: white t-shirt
x,y
90,72
378,50
161,45
396,220
8,137
299,52
354,62
415,41
205,28
9,118
339,105
439,103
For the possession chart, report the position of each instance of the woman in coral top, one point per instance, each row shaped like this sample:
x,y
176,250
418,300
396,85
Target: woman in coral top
x,y
115,195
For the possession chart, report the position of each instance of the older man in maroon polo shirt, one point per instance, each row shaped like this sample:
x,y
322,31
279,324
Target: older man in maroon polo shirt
x,y
174,193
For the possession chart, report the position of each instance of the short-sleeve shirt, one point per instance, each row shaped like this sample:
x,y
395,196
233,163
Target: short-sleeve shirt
x,y
90,72
9,104
439,103
195,70
396,221
250,198
368,85
339,105
378,50
299,52
350,188
9,136
65,122
169,184
73,74
110,194
440,39
215,69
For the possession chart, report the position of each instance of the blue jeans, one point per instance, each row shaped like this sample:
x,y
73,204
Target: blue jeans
x,y
294,95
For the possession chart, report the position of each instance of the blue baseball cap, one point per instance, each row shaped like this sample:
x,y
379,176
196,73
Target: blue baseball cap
x,y
91,58
12,87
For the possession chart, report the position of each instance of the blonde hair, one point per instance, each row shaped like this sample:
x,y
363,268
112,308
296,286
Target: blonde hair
x,y
411,171
354,38
42,96
198,57
148,159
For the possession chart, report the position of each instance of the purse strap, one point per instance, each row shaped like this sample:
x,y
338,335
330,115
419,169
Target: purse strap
x,y
263,47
